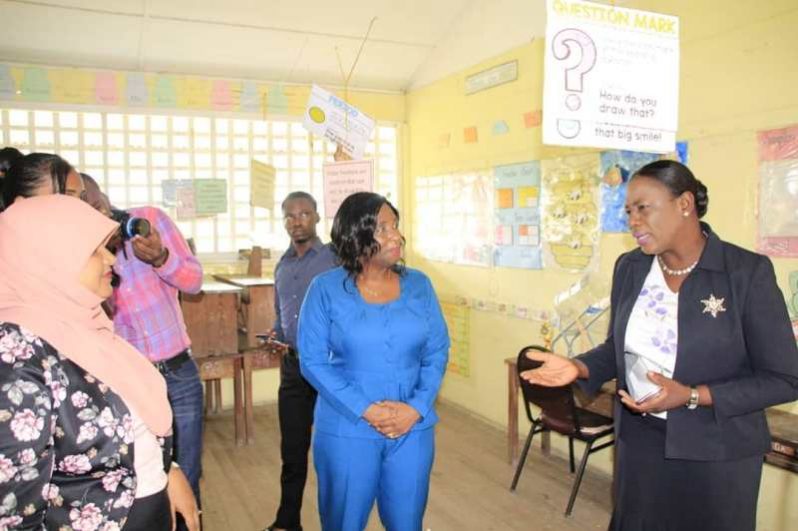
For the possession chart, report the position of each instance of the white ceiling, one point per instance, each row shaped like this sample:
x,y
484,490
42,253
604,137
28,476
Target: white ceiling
x,y
412,42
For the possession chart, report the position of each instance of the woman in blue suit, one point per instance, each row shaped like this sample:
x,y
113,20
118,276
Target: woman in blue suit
x,y
373,342
700,344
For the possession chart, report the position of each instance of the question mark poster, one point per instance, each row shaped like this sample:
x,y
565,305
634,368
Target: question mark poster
x,y
611,77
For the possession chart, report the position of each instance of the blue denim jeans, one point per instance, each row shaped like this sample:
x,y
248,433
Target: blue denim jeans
x,y
185,395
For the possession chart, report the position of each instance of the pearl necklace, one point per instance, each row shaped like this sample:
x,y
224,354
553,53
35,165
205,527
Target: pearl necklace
x,y
675,272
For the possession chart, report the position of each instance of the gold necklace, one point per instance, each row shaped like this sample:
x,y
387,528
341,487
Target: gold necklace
x,y
368,290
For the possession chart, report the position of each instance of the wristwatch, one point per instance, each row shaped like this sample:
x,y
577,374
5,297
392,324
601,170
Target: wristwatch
x,y
693,402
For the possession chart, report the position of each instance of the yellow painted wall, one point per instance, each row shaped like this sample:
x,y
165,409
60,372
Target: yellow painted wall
x,y
739,74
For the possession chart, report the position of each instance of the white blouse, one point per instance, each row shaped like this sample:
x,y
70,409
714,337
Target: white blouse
x,y
147,459
652,335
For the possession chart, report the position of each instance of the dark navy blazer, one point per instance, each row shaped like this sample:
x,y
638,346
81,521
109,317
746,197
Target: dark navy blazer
x,y
747,354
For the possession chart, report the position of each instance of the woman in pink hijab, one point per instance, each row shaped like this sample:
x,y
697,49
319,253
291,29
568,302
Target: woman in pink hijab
x,y
84,418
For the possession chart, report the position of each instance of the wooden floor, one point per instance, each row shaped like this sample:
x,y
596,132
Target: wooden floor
x,y
469,487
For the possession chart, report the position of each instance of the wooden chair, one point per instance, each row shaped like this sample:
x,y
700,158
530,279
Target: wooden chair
x,y
560,413
255,262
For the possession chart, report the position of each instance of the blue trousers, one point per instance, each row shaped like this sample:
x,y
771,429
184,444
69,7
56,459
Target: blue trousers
x,y
352,473
184,389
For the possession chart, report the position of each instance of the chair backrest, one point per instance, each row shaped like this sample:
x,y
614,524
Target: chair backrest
x,y
557,404
255,262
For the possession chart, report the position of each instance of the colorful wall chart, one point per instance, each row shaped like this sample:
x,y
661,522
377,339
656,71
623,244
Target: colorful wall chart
x,y
517,216
570,212
456,317
454,217
617,167
778,192
135,89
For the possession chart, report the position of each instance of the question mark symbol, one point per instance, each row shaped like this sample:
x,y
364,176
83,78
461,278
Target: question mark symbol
x,y
578,52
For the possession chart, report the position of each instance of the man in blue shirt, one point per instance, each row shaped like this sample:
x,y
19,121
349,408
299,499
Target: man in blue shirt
x,y
305,258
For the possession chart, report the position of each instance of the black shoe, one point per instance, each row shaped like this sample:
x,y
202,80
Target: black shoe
x,y
273,527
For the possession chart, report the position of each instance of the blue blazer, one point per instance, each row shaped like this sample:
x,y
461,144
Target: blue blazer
x,y
746,354
355,353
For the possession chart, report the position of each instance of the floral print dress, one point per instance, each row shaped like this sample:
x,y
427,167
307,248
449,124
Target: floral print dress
x,y
66,452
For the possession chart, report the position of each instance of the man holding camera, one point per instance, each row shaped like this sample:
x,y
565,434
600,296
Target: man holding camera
x,y
153,269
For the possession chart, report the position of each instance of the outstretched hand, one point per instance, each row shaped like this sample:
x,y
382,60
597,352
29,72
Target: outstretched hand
x,y
556,371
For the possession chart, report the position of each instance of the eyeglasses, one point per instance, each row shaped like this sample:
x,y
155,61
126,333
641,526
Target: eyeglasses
x,y
385,229
302,216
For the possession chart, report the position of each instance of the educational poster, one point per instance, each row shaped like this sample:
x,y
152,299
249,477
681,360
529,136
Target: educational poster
x,y
170,188
570,212
262,180
185,208
611,77
617,167
517,216
330,117
456,317
468,218
454,218
778,192
342,179
195,198
210,196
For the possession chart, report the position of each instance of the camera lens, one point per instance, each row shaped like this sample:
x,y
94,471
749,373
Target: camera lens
x,y
138,227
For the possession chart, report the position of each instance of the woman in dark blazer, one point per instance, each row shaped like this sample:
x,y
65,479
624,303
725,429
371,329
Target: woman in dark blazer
x,y
700,343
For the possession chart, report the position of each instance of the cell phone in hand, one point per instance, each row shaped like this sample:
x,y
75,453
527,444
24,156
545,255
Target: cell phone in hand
x,y
637,369
269,338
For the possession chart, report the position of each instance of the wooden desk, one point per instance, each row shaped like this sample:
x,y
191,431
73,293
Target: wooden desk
x,y
211,318
783,425
258,310
257,304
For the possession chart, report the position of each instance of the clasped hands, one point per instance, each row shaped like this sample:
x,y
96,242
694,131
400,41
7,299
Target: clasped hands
x,y
391,418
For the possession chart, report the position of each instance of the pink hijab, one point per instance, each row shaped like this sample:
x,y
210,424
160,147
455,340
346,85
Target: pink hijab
x,y
45,242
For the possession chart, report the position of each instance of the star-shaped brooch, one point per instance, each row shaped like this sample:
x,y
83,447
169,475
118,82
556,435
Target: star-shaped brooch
x,y
713,305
